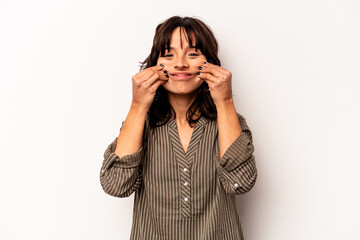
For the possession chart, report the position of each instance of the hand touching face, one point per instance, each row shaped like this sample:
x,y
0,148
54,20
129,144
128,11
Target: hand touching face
x,y
181,63
218,80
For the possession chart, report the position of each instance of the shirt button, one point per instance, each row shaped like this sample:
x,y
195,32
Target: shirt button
x,y
186,199
185,183
236,185
185,169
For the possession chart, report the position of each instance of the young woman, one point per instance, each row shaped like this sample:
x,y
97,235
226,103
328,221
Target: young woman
x,y
183,149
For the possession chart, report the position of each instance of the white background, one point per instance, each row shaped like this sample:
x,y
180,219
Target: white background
x,y
65,72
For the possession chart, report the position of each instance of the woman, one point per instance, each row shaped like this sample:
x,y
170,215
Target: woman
x,y
183,149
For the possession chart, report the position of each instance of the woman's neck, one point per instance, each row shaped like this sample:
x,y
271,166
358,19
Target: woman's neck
x,y
180,104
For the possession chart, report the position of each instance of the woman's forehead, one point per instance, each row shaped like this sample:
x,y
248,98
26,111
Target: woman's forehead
x,y
179,39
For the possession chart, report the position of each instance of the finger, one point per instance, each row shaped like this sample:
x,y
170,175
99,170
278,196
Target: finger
x,y
210,65
150,73
156,85
156,76
150,69
212,70
207,76
164,76
157,67
150,81
143,74
161,71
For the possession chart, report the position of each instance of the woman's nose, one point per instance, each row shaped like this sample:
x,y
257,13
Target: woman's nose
x,y
181,63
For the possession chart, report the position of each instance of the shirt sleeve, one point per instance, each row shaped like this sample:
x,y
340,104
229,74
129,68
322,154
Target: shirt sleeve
x,y
237,169
120,177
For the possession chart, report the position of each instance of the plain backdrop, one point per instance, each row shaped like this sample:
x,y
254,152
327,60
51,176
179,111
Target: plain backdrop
x,y
65,73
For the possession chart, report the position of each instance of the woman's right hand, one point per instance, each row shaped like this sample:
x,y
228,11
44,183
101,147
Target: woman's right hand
x,y
145,84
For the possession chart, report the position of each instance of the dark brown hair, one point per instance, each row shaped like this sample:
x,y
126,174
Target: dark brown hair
x,y
160,110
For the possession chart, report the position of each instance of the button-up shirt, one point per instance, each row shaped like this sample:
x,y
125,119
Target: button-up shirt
x,y
188,196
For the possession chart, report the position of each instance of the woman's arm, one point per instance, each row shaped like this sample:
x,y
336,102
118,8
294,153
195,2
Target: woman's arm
x,y
228,125
235,160
131,132
120,172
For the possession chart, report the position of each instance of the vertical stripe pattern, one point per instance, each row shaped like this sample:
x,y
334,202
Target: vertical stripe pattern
x,y
183,196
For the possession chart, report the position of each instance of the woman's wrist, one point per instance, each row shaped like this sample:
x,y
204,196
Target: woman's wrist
x,y
140,109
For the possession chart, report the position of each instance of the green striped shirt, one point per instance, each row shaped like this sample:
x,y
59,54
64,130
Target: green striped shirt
x,y
187,196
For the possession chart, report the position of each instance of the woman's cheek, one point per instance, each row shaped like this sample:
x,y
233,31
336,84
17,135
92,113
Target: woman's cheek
x,y
201,60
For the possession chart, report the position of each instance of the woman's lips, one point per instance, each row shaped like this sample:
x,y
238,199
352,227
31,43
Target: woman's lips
x,y
181,76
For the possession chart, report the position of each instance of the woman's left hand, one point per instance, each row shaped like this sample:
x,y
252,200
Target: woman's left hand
x,y
219,82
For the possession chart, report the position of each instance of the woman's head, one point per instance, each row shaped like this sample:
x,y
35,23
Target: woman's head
x,y
205,40
182,45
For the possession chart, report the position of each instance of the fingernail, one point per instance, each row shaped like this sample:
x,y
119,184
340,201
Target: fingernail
x,y
167,76
165,72
198,73
204,63
200,68
161,65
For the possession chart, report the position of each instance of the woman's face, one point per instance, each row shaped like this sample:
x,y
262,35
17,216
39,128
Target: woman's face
x,y
182,65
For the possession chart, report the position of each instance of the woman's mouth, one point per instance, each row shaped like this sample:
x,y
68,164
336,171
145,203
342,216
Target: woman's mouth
x,y
181,76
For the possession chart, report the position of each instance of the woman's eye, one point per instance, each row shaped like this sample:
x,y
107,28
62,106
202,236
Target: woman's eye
x,y
191,55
